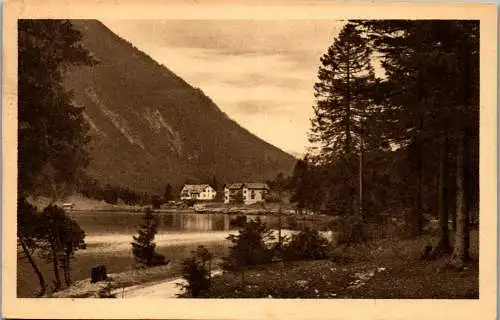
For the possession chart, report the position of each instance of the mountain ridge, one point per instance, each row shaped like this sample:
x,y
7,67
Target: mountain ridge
x,y
150,127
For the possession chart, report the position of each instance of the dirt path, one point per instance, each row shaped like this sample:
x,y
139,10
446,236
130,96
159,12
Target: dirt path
x,y
162,289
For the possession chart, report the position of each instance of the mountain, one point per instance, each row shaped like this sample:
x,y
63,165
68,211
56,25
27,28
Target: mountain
x,y
149,127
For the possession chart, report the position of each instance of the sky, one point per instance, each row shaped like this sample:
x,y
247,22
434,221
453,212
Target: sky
x,y
259,72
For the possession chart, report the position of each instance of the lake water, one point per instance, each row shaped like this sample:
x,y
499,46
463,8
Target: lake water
x,y
109,223
108,237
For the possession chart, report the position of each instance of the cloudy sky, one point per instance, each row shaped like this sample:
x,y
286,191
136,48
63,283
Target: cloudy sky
x,y
260,72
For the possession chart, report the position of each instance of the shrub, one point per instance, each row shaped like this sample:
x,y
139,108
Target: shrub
x,y
350,229
306,245
249,246
196,271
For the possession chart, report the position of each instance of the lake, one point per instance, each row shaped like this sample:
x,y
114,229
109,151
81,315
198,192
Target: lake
x,y
108,237
106,223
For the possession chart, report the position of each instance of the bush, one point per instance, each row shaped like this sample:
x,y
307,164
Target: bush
x,y
196,271
249,246
306,245
350,229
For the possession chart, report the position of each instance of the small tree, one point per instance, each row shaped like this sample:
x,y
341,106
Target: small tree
x,y
307,245
196,270
30,232
62,237
53,218
73,238
250,246
143,247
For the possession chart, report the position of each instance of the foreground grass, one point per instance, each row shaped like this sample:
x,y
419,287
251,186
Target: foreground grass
x,y
137,277
85,289
379,270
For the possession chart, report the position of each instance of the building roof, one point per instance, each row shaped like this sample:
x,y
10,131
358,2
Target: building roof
x,y
233,186
195,188
256,185
248,185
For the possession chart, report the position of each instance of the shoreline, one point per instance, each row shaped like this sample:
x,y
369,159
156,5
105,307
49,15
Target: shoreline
x,y
206,211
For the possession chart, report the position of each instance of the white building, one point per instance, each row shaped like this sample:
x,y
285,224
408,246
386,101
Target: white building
x,y
198,192
247,193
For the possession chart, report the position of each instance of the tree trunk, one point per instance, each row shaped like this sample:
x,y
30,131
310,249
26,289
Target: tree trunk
x,y
417,214
33,264
361,173
470,183
67,268
450,190
443,246
55,266
453,219
460,252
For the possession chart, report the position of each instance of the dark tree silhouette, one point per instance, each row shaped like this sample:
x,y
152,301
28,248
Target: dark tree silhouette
x,y
143,247
52,132
345,79
167,194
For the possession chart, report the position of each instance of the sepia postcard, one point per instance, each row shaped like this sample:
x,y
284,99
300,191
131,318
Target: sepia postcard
x,y
250,160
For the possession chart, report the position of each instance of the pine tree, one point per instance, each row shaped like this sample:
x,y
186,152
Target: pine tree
x,y
143,247
346,77
299,182
432,69
52,130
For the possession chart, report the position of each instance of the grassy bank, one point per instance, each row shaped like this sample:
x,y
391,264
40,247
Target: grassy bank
x,y
381,269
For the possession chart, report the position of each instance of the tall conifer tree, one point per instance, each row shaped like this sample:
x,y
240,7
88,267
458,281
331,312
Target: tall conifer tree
x,y
342,100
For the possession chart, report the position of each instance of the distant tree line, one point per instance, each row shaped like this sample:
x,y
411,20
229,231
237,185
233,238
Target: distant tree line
x,y
93,189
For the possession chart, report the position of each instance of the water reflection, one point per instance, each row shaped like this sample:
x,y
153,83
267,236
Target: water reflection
x,y
193,222
102,223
